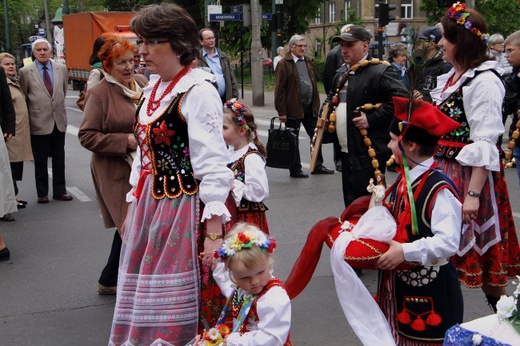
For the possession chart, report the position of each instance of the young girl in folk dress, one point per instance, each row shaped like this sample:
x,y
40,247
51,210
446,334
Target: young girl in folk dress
x,y
247,162
250,188
258,309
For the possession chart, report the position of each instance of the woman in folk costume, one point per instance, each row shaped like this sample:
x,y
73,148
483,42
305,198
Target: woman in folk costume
x,y
181,162
472,94
421,302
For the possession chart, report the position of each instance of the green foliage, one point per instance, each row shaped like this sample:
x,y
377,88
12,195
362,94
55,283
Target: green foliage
x,y
501,16
319,66
432,10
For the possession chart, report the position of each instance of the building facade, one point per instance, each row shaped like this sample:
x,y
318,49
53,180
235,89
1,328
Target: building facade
x,y
334,14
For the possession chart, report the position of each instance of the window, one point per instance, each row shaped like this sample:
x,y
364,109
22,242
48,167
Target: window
x,y
332,12
317,20
347,6
406,9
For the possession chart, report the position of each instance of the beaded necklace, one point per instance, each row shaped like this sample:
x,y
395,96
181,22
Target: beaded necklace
x,y
154,104
452,82
367,107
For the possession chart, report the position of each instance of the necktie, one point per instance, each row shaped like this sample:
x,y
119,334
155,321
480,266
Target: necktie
x,y
47,80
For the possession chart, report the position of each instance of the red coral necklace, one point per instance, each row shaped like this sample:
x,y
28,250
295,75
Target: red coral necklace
x,y
153,104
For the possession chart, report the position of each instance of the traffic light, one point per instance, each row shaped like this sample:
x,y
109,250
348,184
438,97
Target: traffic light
x,y
384,13
273,23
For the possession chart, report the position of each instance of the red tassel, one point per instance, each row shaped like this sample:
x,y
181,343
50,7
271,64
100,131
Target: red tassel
x,y
433,319
418,324
376,298
403,317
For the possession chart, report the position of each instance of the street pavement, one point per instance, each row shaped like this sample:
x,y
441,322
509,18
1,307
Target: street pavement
x,y
48,290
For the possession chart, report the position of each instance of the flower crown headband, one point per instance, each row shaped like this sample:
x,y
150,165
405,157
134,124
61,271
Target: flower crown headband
x,y
237,109
458,13
245,240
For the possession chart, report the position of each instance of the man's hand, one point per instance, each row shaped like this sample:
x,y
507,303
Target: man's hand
x,y
283,118
7,136
361,121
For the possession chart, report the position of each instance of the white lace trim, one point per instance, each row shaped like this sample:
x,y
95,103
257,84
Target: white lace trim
x,y
158,342
216,208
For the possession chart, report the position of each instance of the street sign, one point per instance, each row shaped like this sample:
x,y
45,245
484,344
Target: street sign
x,y
267,16
41,32
217,17
236,9
33,38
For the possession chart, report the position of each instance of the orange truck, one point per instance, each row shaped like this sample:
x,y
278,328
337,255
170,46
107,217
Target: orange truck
x,y
80,30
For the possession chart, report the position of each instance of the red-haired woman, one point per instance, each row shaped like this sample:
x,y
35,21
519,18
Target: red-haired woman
x,y
472,94
107,131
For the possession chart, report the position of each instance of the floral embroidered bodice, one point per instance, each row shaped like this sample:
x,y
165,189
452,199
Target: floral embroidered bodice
x,y
164,144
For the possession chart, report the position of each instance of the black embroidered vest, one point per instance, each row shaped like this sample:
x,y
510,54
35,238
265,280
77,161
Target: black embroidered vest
x,y
167,138
453,107
239,171
423,203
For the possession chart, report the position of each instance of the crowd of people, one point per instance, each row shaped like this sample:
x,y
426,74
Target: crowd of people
x,y
183,182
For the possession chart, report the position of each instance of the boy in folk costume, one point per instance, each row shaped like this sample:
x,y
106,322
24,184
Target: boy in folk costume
x,y
421,303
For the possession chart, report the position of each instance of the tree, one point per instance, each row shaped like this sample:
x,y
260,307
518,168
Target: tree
x,y
501,16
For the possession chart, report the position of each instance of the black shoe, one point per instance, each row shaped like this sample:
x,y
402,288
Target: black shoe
x,y
20,205
5,254
7,218
299,174
322,170
339,167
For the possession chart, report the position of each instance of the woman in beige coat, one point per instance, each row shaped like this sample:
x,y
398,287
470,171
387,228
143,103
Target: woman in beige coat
x,y
107,131
19,147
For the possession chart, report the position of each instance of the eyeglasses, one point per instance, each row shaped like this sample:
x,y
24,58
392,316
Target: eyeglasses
x,y
301,45
511,50
150,43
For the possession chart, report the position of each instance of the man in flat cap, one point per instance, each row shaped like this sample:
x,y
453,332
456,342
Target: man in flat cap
x,y
362,81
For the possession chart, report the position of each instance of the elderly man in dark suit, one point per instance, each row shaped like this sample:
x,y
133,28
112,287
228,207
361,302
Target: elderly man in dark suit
x,y
44,84
296,95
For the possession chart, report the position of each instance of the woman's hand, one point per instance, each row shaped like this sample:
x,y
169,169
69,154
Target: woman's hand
x,y
207,257
470,208
132,142
213,225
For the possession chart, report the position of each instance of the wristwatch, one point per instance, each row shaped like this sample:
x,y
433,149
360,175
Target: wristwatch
x,y
473,193
213,236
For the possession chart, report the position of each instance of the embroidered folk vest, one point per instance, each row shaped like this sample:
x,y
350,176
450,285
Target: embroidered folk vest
x,y
167,138
435,181
451,144
239,171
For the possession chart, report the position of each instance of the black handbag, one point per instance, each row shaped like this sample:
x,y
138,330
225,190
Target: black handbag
x,y
282,143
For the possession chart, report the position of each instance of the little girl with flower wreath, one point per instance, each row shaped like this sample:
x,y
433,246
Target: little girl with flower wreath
x,y
247,161
258,309
250,187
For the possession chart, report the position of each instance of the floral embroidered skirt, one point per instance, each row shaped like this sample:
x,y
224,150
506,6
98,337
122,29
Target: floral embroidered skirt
x,y
158,286
492,252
